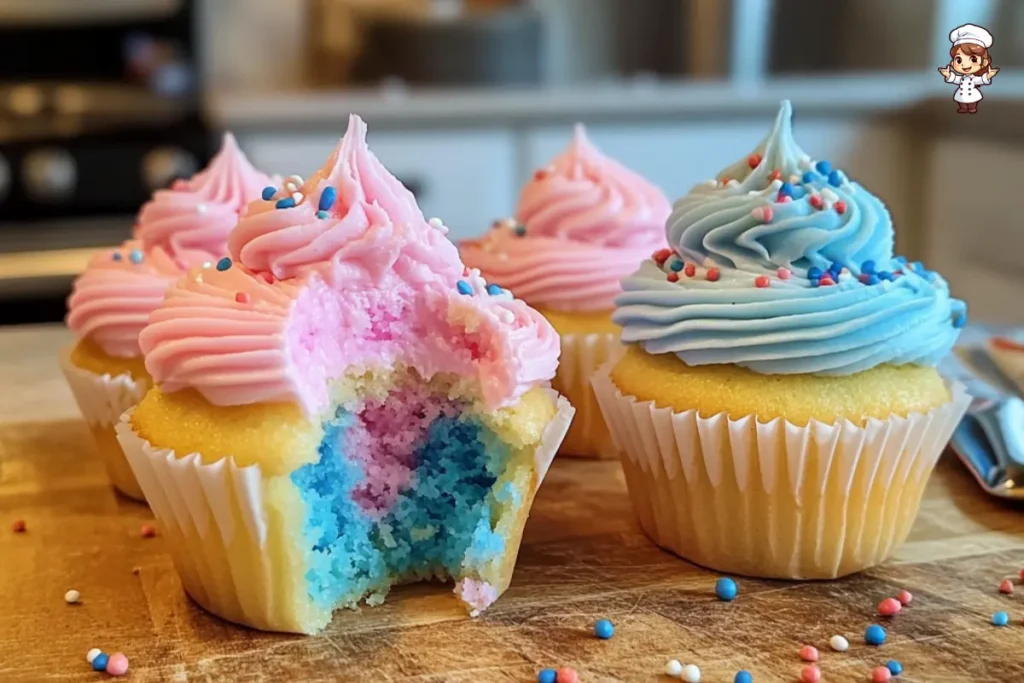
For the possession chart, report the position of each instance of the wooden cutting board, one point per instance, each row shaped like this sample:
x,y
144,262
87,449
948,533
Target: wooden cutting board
x,y
583,558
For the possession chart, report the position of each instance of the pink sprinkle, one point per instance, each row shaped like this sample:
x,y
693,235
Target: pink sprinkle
x,y
540,174
690,270
117,664
754,160
880,674
767,214
148,531
762,281
889,607
18,526
1006,587
906,596
268,278
758,213
810,674
783,273
673,277
809,653
816,201
840,207
775,175
864,277
242,298
567,674
825,281
712,275
784,198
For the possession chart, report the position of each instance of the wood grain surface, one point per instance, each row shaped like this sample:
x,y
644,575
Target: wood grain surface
x,y
583,558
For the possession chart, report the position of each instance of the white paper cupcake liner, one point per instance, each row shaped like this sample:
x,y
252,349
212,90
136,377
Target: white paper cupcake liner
x,y
102,400
582,355
220,528
775,499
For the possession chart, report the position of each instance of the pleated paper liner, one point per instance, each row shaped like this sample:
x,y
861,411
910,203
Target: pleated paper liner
x,y
774,499
234,551
582,355
102,399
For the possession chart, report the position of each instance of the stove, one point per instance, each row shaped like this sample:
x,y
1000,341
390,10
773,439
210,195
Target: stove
x,y
99,107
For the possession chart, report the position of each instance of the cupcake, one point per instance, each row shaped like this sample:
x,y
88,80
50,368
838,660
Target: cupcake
x,y
341,406
583,223
778,409
111,301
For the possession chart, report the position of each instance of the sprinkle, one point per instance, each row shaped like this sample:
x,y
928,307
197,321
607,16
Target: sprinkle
x,y
874,635
839,643
327,198
762,281
286,203
795,178
783,199
814,272
786,190
867,267
242,298
224,264
763,213
294,181
136,570
117,665
136,257
886,275
840,207
99,662
268,193
808,177
603,629
72,596
463,287
725,588
809,653
673,668
1000,619
690,270
775,175
835,179
804,162
712,275
783,273
540,174
323,215
494,290
298,197
18,526
889,607
116,256
816,201
829,195
894,667
1006,587
732,183
810,674
725,180
567,674
826,280
824,168
673,277
268,277
201,209
547,676
92,654
691,673
676,266
959,321
754,160
437,224
880,674
520,230
743,677
661,256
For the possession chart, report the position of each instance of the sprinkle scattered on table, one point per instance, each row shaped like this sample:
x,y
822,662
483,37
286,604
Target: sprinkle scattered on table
x,y
673,668
810,674
1006,587
691,673
905,597
92,654
148,531
725,589
18,526
889,607
547,676
894,667
604,629
743,677
1000,619
839,643
874,635
809,653
567,674
117,664
880,674
72,596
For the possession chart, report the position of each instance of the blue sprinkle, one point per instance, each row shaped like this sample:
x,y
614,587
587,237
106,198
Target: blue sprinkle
x,y
894,667
286,203
323,215
327,198
268,193
867,267
814,272
547,676
135,256
786,189
824,168
494,290
676,266
100,663
918,267
223,264
603,629
874,635
725,589
835,179
799,193
743,677
873,279
463,287
520,230
809,177
835,268
116,256
886,275
1000,619
959,321
815,282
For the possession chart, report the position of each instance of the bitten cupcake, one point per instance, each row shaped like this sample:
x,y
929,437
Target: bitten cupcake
x,y
778,408
111,301
583,223
341,406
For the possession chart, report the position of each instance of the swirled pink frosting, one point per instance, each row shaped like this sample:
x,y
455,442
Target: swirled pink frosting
x,y
315,291
188,225
585,223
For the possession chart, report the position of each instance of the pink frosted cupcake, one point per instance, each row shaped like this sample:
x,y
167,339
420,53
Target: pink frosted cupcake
x,y
583,224
185,226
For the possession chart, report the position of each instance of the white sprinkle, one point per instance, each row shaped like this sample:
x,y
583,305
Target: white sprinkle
x,y
795,179
673,668
207,264
776,184
71,597
829,195
201,209
93,654
804,163
474,613
691,673
732,183
296,180
439,225
839,644
199,278
298,197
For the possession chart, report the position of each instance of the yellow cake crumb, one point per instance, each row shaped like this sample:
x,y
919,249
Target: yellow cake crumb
x,y
579,322
88,355
711,389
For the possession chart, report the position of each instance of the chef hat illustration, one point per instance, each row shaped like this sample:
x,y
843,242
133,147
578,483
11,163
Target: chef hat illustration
x,y
971,34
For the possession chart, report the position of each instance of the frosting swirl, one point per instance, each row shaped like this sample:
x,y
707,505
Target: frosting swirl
x,y
345,273
585,221
784,265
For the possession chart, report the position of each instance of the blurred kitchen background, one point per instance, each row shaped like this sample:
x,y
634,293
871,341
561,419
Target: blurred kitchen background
x,y
103,101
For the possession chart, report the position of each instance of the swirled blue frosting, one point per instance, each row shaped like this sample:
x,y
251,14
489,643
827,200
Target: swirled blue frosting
x,y
785,266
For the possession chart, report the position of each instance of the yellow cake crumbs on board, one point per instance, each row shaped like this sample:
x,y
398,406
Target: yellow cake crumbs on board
x,y
566,322
88,355
711,389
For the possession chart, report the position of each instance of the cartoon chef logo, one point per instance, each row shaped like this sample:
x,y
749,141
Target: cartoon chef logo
x,y
970,65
